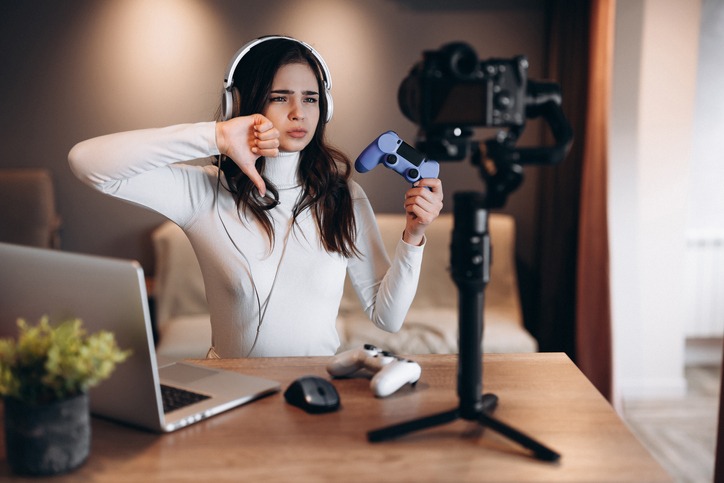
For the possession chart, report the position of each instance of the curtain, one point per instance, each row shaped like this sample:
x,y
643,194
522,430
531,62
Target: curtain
x,y
572,310
593,307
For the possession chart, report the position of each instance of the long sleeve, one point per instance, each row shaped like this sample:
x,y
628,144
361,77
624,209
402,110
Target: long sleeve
x,y
385,289
141,166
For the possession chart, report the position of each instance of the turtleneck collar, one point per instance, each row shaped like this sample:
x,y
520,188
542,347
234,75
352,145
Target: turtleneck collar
x,y
282,170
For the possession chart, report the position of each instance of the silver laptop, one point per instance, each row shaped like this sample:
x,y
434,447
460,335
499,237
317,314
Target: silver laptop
x,y
110,294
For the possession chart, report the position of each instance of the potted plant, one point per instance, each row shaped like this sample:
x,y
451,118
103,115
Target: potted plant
x,y
44,379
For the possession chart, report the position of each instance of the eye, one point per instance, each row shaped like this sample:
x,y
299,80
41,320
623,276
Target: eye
x,y
311,100
277,99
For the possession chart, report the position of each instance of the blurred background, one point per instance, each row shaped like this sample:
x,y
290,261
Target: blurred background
x,y
74,70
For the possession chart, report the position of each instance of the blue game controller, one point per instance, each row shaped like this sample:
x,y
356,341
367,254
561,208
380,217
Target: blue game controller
x,y
397,155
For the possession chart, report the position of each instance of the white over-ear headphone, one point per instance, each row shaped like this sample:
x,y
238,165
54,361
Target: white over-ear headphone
x,y
228,100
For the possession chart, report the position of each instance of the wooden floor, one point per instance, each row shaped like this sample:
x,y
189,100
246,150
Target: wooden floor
x,y
681,433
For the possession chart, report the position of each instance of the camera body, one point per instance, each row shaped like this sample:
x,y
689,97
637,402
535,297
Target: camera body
x,y
450,88
393,152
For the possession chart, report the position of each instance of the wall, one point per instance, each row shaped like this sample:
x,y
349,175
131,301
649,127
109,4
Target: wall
x,y
704,277
73,70
706,202
651,154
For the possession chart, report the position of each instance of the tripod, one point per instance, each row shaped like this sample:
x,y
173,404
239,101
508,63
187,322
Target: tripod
x,y
470,263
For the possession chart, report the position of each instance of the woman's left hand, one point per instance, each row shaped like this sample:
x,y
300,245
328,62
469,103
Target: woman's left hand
x,y
422,206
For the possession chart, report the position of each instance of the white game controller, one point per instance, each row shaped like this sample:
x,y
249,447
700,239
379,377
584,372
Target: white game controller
x,y
391,371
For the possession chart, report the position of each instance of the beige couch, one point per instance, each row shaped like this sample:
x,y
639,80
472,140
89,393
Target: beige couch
x,y
430,327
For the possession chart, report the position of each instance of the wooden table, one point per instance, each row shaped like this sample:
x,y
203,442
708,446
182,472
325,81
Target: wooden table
x,y
543,395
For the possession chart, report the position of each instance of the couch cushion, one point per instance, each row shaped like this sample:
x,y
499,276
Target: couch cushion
x,y
436,288
186,337
435,331
179,285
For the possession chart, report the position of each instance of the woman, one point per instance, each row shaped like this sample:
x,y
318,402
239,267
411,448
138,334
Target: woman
x,y
277,232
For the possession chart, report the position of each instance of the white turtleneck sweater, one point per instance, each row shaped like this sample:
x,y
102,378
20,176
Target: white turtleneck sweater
x,y
298,315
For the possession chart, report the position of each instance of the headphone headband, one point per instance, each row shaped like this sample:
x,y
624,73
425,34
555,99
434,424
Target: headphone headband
x,y
231,68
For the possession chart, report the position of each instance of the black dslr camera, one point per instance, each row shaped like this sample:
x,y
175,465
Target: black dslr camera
x,y
450,91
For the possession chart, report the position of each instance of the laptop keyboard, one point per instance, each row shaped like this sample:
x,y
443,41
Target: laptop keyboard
x,y
175,398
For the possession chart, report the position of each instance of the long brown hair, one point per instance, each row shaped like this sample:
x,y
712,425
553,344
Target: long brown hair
x,y
323,170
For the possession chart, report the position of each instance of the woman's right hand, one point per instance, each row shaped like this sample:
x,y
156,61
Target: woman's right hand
x,y
246,138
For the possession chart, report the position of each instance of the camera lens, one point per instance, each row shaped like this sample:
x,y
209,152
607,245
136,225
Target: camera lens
x,y
408,98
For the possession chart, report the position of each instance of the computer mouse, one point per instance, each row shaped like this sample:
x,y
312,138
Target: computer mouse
x,y
313,394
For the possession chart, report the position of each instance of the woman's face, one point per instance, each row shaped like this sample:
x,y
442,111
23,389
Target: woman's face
x,y
293,106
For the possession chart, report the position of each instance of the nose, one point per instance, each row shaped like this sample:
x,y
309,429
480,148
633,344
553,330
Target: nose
x,y
296,112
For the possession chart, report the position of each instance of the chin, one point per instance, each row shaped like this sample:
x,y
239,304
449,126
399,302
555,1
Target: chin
x,y
294,146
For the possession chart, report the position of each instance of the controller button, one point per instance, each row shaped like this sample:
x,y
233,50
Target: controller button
x,y
413,173
391,159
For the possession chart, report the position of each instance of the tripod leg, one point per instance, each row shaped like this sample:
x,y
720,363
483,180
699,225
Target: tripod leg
x,y
541,452
410,426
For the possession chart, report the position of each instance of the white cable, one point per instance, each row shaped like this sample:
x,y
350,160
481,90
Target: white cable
x,y
262,308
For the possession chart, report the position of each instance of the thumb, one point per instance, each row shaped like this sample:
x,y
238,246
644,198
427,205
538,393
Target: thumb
x,y
255,178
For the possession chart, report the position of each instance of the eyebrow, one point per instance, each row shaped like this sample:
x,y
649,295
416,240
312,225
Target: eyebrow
x,y
289,92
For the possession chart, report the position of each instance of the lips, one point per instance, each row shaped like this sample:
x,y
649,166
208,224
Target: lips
x,y
297,133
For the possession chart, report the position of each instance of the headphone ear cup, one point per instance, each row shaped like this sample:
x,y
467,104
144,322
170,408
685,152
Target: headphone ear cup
x,y
330,105
230,103
226,103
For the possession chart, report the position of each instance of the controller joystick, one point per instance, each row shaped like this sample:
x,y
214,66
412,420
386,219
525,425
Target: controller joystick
x,y
391,372
393,152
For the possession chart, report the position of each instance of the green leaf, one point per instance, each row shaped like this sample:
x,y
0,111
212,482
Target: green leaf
x,y
48,363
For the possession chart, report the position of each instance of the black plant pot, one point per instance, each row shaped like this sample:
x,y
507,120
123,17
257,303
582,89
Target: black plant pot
x,y
47,439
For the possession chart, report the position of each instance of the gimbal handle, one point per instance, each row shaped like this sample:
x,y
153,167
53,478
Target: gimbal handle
x,y
542,99
503,174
